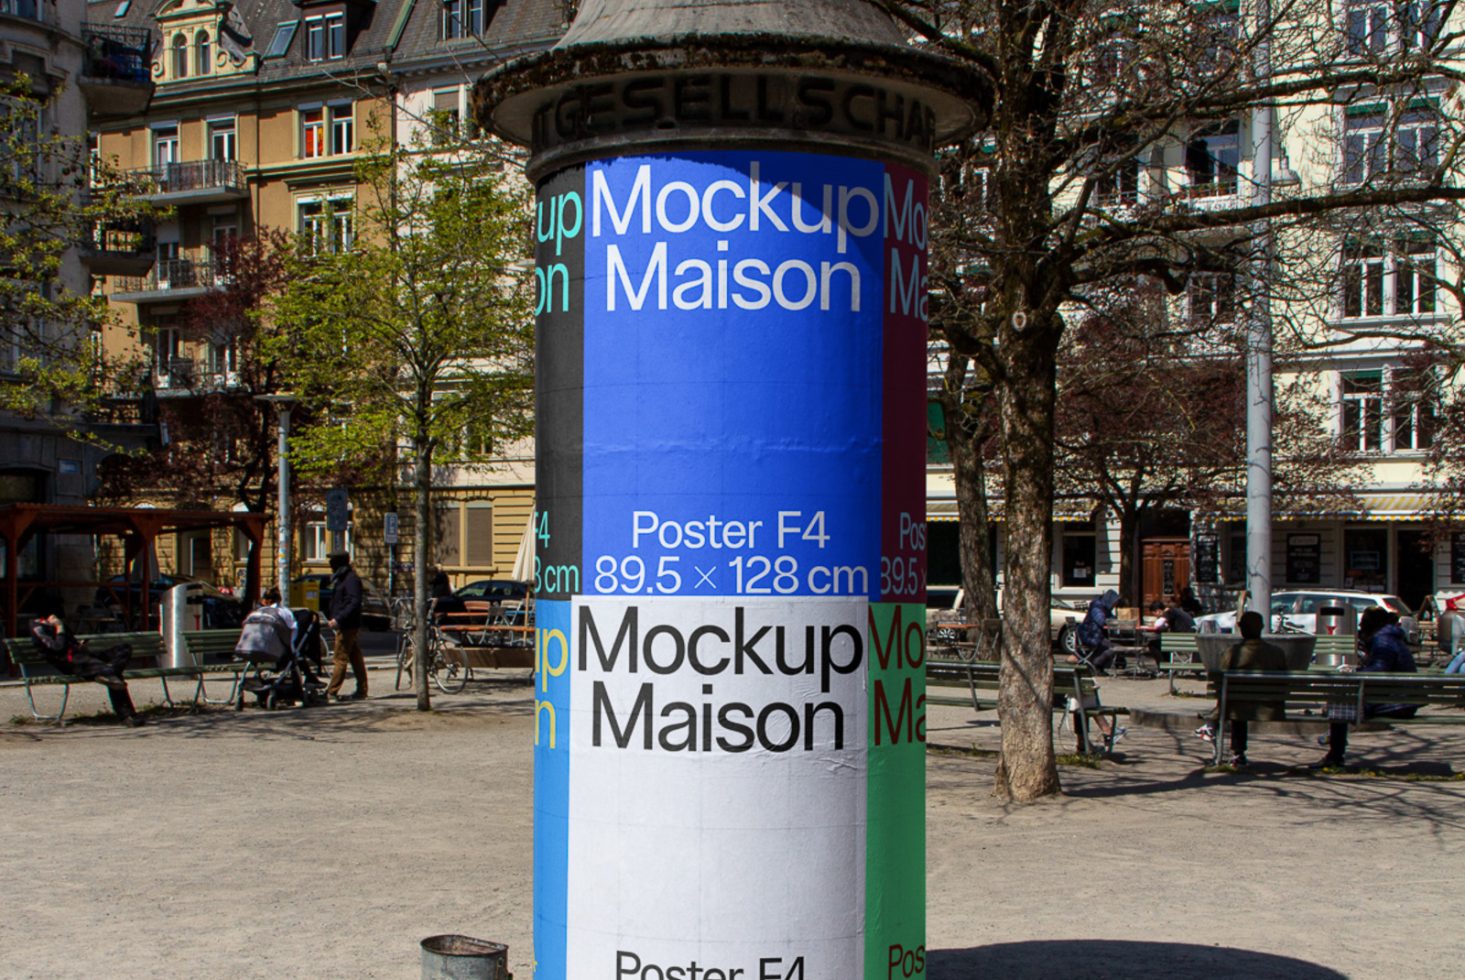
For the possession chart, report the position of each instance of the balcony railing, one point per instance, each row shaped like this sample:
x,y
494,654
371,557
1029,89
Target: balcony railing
x,y
169,279
117,53
197,181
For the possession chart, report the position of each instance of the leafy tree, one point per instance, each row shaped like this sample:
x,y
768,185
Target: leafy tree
x,y
1114,150
409,323
53,200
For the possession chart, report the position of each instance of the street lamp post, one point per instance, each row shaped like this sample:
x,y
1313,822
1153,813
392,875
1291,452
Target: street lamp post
x,y
1259,351
283,403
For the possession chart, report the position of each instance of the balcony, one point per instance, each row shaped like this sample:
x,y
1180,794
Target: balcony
x,y
170,281
195,182
120,251
182,376
116,79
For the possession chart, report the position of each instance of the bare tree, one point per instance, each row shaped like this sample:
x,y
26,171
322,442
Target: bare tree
x,y
1118,146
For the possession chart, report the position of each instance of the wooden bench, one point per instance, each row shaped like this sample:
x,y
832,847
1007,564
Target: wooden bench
x,y
1074,681
37,671
1358,688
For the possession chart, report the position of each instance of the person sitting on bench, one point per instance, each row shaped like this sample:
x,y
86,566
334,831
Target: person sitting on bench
x,y
64,652
1252,653
1093,642
1385,648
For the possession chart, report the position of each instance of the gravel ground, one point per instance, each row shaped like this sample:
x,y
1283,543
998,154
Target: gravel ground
x,y
328,842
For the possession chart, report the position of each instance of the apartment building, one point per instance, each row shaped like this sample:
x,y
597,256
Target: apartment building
x,y
78,72
260,112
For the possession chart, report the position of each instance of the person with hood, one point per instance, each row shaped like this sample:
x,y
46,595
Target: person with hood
x,y
345,619
1252,653
63,651
1385,649
1091,635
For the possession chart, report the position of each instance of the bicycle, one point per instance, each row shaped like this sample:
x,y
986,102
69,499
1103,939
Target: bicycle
x,y
403,621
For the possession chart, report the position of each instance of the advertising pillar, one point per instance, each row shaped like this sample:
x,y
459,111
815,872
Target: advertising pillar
x,y
730,525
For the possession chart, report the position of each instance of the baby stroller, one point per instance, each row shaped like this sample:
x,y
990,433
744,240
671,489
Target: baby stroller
x,y
276,671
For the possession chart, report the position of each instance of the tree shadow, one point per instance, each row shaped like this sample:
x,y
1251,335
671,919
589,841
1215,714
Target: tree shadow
x,y
1095,959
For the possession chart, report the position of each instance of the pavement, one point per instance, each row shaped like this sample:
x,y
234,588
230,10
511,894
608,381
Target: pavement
x,y
328,842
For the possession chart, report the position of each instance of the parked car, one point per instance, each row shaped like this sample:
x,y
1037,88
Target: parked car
x,y
1296,611
376,614
221,610
493,590
1064,615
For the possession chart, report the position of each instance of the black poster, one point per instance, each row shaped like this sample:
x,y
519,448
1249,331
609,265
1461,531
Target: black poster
x,y
1304,559
1207,559
1457,557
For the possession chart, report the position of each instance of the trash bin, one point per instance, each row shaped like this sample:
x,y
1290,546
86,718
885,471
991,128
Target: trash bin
x,y
1335,621
454,957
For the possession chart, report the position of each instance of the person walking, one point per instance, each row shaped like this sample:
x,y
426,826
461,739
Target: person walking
x,y
345,619
1252,653
63,651
1385,649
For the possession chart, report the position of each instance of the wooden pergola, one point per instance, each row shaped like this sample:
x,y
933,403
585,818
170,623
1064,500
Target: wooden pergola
x,y
138,527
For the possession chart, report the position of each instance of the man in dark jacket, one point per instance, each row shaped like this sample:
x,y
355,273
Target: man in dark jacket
x,y
62,651
1252,653
345,619
1385,649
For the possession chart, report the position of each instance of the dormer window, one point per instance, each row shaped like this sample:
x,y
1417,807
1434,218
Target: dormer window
x,y
180,55
325,37
202,53
463,18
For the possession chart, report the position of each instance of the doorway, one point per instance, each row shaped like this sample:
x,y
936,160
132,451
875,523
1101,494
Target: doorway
x,y
1164,569
1414,564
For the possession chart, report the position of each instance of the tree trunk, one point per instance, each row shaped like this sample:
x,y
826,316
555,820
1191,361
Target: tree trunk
x,y
1028,769
421,491
1130,587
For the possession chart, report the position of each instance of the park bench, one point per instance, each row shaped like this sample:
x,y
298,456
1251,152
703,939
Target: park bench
x,y
982,680
36,671
1179,654
212,651
1357,688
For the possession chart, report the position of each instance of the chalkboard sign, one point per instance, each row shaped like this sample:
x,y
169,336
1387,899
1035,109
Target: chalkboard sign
x,y
1304,559
1207,559
1457,557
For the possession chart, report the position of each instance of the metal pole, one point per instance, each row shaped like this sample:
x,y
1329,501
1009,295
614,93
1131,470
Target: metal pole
x,y
282,523
1259,350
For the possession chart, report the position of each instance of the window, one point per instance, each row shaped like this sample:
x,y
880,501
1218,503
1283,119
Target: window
x,y
342,128
325,37
1369,152
165,146
221,140
1221,37
202,54
167,351
280,43
1396,281
446,117
1412,409
1078,559
327,225
30,9
317,138
1375,28
478,528
447,535
180,56
1119,186
462,18
223,360
316,540
1211,297
1212,157
1363,411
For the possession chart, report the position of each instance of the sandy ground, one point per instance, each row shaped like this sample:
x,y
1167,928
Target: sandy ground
x,y
329,842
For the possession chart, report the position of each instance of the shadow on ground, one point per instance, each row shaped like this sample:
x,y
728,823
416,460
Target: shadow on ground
x,y
1094,959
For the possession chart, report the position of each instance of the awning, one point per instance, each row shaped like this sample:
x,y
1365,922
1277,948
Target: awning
x,y
1065,511
1416,506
